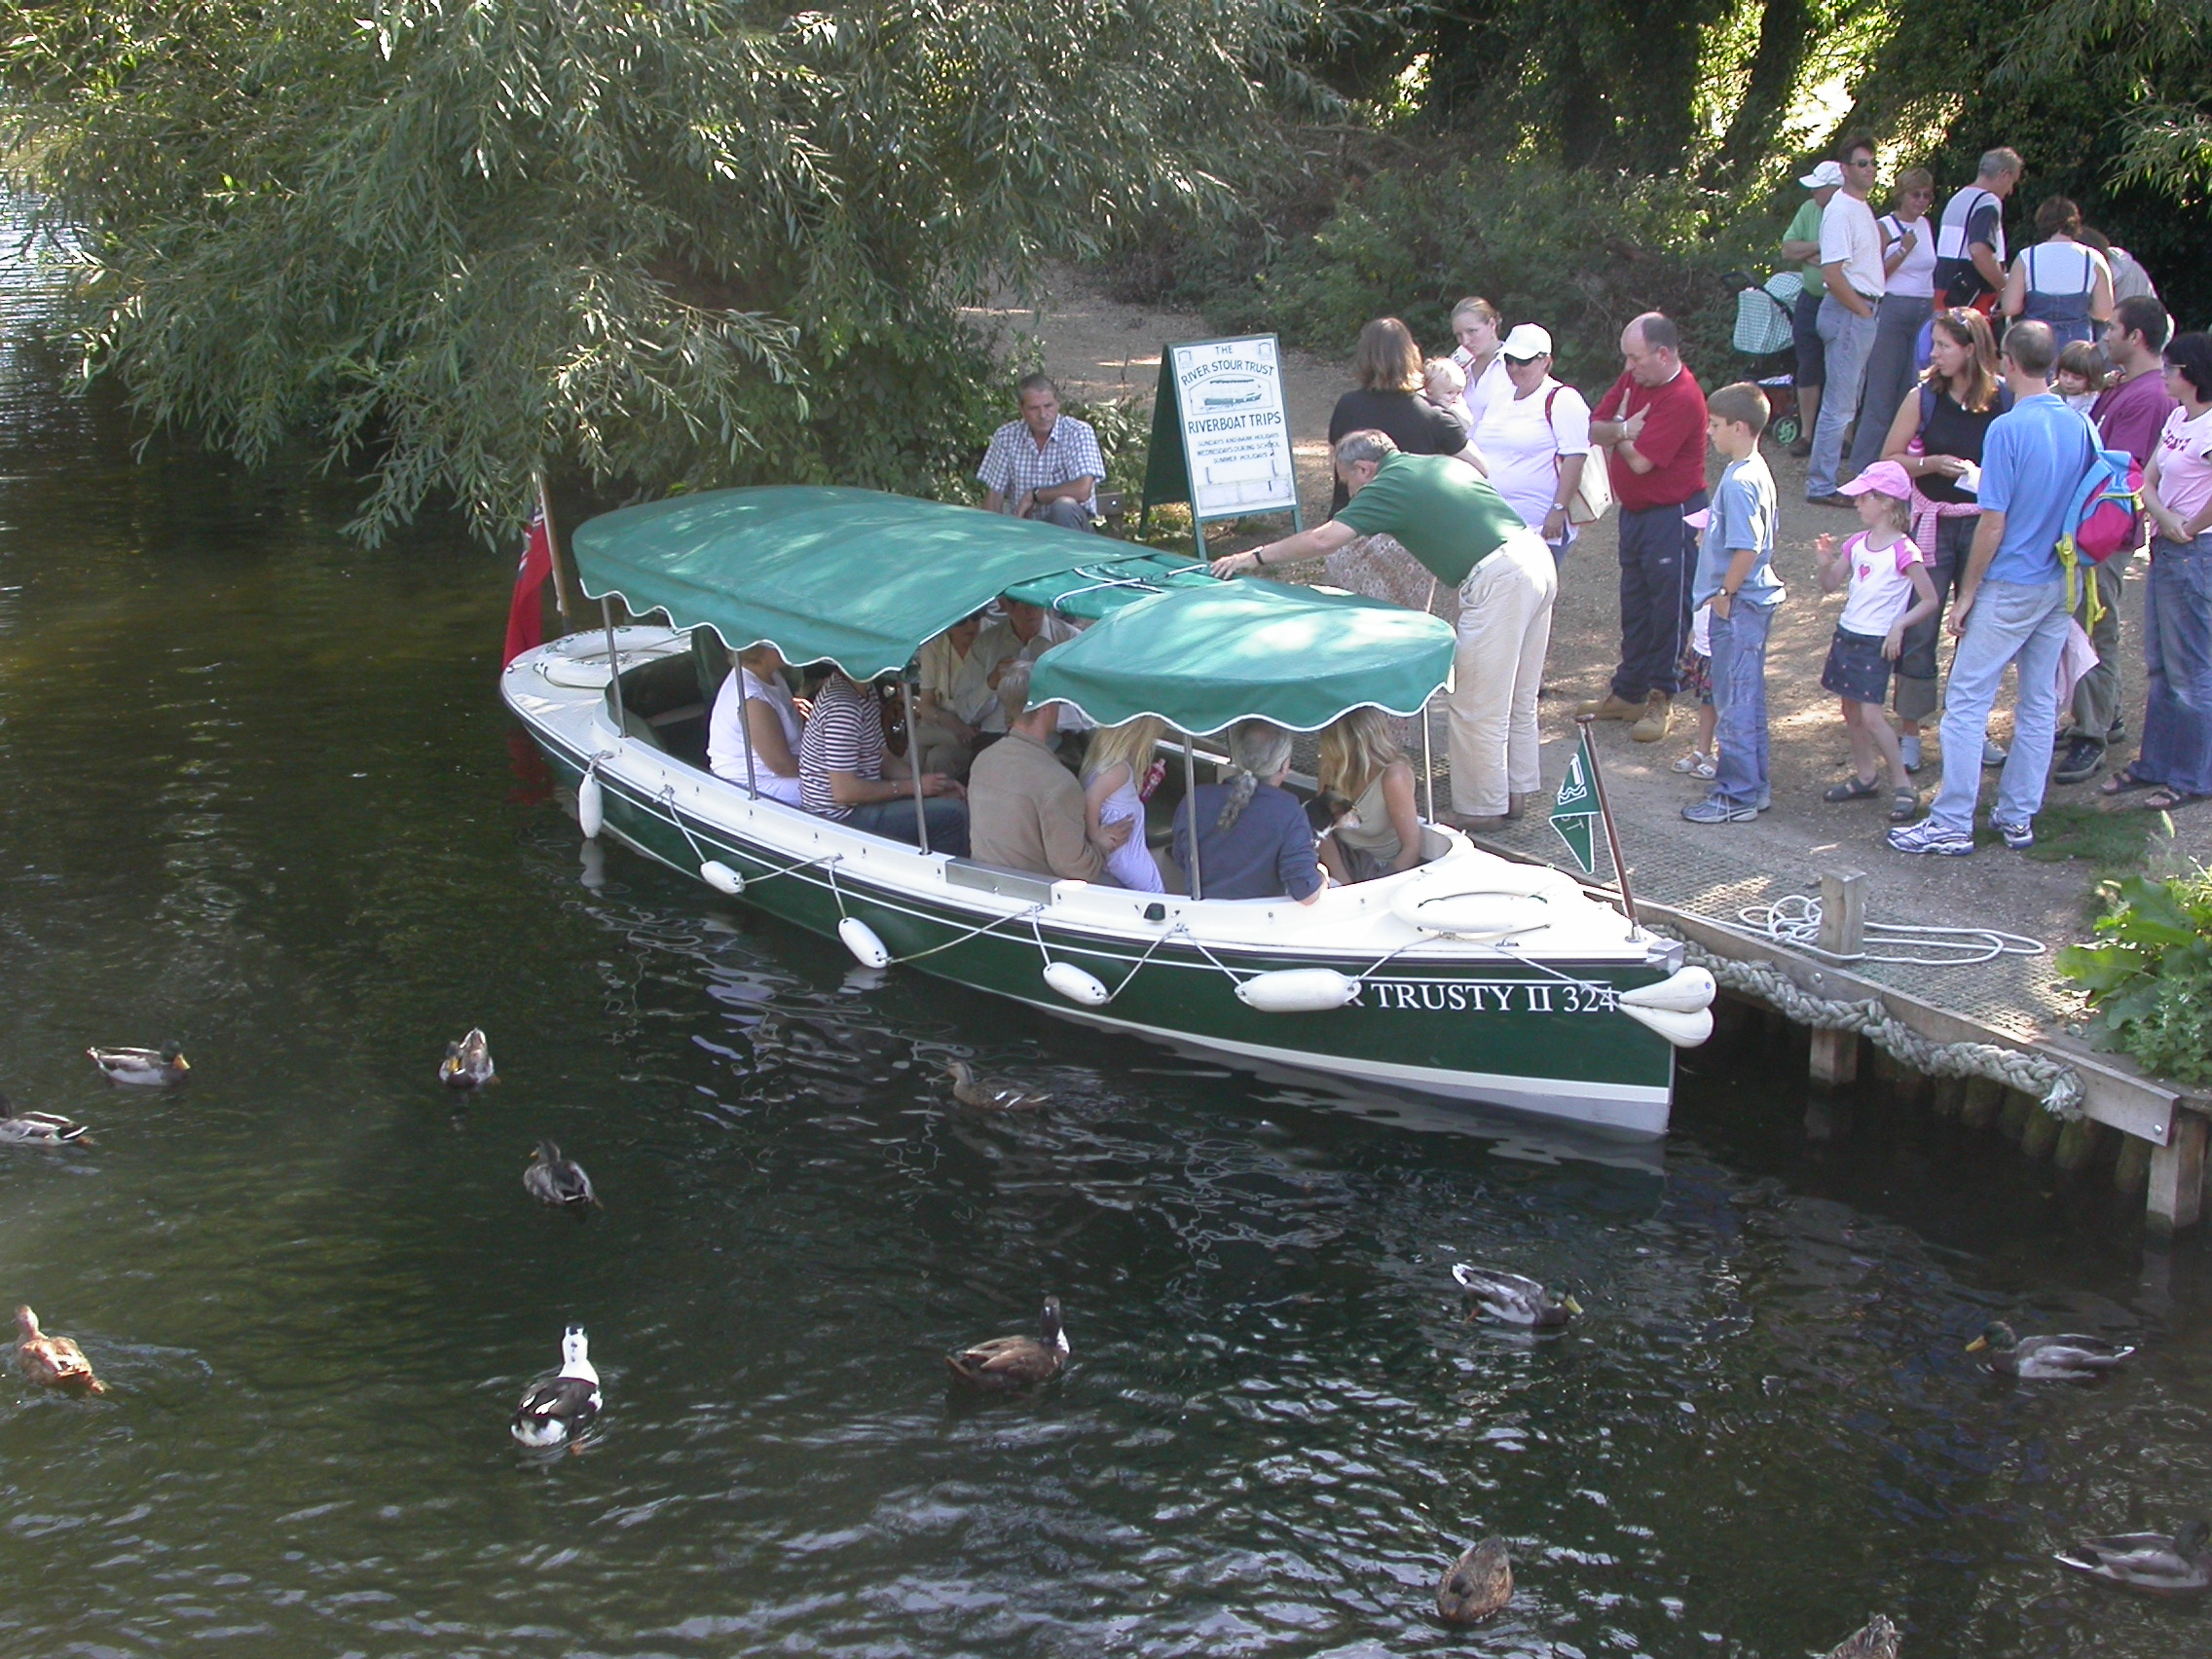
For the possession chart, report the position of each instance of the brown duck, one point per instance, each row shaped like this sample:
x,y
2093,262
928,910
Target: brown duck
x,y
1006,1363
53,1363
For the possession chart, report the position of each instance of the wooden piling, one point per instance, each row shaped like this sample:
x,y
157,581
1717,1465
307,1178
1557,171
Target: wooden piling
x,y
1978,1109
1946,1096
2176,1199
2077,1144
2132,1174
1843,932
2012,1116
2041,1133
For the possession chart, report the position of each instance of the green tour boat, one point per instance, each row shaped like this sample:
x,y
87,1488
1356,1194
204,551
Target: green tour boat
x,y
1470,978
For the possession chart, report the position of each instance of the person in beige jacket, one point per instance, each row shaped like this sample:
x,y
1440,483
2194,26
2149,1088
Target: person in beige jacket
x,y
1026,809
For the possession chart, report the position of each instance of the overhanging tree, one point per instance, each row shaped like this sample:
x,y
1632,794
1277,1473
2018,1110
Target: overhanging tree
x,y
666,243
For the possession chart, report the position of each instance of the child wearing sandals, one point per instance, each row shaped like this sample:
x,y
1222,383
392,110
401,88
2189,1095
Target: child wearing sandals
x,y
1889,591
1697,675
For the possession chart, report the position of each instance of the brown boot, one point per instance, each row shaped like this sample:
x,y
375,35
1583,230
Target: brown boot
x,y
1658,710
1608,708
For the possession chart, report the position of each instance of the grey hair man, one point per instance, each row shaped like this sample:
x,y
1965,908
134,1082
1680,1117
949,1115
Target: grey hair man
x,y
1969,233
1045,465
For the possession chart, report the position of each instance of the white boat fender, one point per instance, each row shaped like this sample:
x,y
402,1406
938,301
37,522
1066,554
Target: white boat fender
x,y
1684,1030
1683,991
1297,990
722,878
860,939
1077,984
591,807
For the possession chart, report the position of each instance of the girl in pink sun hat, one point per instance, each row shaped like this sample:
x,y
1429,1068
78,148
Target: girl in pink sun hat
x,y
1889,591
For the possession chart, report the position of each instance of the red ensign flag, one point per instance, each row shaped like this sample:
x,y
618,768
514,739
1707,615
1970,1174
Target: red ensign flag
x,y
526,617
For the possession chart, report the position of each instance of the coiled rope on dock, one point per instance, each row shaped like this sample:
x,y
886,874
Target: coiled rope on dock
x,y
1794,920
2056,1086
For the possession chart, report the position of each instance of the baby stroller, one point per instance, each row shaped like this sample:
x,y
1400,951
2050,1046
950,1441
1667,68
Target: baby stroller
x,y
1765,316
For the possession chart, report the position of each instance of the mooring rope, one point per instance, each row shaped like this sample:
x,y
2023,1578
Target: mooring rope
x,y
1794,920
2058,1087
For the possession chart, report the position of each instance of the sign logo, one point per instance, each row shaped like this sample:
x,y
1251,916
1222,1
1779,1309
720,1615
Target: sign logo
x,y
1576,806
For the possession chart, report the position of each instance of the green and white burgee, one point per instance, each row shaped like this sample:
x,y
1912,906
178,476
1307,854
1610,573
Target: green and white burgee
x,y
1574,813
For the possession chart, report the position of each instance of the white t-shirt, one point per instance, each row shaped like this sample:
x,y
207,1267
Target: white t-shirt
x,y
1523,448
727,738
2061,269
1880,590
2185,463
1915,274
1848,233
1485,388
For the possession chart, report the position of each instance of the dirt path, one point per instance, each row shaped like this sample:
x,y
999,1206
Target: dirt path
x,y
1097,348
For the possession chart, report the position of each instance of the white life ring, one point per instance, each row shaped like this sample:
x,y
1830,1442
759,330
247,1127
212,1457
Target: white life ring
x,y
1482,912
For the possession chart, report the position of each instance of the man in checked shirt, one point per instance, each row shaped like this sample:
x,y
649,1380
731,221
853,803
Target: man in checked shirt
x,y
1045,465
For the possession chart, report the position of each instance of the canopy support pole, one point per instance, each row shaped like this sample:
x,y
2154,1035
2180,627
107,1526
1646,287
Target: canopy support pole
x,y
744,724
1428,758
613,664
1191,808
914,765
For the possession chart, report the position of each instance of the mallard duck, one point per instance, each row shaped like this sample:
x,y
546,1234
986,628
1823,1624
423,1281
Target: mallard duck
x,y
1877,1638
990,1096
1514,1299
2045,1358
36,1128
561,1182
53,1363
557,1410
1477,1585
468,1063
2148,1561
147,1067
1014,1362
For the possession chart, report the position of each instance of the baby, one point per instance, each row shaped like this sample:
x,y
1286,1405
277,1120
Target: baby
x,y
1443,384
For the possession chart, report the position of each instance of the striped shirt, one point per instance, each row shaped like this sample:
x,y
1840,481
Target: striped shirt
x,y
843,734
1013,465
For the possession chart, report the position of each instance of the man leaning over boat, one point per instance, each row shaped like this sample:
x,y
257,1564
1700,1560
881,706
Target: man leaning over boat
x,y
1462,531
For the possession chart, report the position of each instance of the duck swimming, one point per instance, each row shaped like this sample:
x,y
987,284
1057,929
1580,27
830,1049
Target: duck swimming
x,y
1516,1300
1877,1638
2149,1561
468,1063
1006,1363
989,1096
53,1363
37,1128
1478,1584
2042,1359
557,1410
561,1182
146,1067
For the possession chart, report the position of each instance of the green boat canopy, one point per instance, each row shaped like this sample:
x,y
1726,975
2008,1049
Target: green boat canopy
x,y
1105,585
1203,658
850,577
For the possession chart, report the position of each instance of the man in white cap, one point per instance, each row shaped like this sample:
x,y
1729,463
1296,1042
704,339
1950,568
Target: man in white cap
x,y
1541,430
1801,243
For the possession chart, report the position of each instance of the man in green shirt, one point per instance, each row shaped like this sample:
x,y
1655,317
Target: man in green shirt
x,y
1445,513
1801,243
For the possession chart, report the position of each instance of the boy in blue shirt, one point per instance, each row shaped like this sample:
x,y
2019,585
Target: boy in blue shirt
x,y
1735,576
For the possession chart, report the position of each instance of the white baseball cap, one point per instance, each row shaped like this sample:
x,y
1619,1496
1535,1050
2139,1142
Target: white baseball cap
x,y
1526,341
1826,176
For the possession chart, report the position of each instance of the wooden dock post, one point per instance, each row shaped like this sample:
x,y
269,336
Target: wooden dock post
x,y
1843,932
2177,1176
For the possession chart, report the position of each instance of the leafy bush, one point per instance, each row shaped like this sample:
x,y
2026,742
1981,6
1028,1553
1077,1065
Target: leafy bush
x,y
1580,252
2151,982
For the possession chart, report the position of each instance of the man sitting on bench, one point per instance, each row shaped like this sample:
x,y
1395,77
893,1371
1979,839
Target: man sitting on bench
x,y
845,773
1025,808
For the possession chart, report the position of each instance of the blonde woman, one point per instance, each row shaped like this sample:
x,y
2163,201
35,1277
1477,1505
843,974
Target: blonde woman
x,y
1381,832
755,711
1118,771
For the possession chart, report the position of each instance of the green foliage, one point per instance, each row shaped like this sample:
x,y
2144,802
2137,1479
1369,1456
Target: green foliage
x,y
697,242
1124,425
1580,252
2150,983
2113,842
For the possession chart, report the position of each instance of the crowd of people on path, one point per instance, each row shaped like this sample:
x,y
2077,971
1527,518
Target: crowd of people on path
x,y
1461,482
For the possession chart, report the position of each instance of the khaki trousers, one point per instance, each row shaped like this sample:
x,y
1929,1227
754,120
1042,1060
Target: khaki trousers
x,y
1505,628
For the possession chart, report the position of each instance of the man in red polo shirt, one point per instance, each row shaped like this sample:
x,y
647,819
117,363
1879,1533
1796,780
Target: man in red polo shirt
x,y
1651,426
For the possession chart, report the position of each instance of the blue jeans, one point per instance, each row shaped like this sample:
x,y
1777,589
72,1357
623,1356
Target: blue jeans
x,y
894,820
1739,701
2177,662
1888,376
2009,623
1848,339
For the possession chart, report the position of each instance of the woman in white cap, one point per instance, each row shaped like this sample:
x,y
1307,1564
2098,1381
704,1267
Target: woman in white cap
x,y
1536,440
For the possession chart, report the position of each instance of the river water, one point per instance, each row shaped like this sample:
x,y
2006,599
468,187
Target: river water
x,y
259,796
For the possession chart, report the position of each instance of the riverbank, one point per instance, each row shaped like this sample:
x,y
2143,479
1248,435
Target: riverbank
x,y
1100,348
